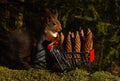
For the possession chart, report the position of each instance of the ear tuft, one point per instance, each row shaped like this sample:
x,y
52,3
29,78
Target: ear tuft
x,y
56,14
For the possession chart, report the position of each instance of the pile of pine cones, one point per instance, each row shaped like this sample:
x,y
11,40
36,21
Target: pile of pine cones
x,y
76,41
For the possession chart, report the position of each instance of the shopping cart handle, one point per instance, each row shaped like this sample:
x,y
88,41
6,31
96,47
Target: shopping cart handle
x,y
51,45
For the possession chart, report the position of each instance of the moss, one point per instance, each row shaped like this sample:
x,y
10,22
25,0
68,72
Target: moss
x,y
104,76
75,75
46,75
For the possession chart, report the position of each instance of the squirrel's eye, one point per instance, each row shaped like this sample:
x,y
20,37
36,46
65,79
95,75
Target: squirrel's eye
x,y
51,24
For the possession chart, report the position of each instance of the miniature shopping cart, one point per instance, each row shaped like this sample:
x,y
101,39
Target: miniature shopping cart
x,y
64,62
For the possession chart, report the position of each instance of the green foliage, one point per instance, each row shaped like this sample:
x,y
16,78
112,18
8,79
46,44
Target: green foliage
x,y
45,75
104,76
75,75
24,75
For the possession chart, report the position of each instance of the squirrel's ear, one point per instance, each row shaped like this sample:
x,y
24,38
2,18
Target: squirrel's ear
x,y
56,14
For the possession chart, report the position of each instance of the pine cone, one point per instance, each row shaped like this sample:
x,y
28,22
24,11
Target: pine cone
x,y
68,48
88,41
77,46
61,40
88,44
68,43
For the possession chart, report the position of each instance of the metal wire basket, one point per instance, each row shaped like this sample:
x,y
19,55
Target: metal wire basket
x,y
64,63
